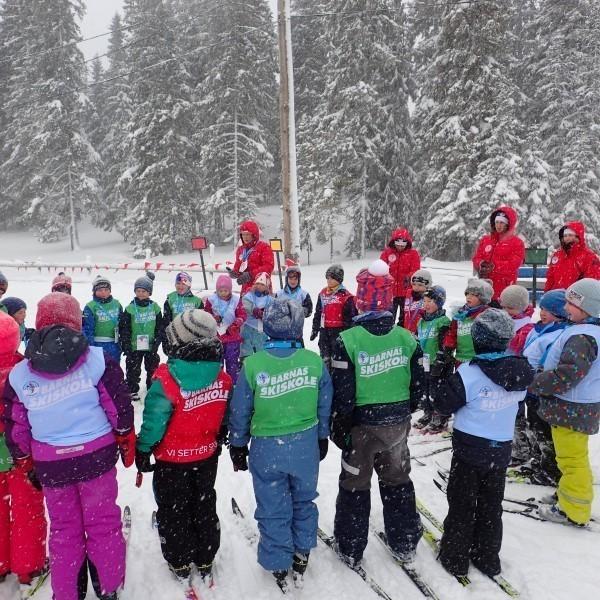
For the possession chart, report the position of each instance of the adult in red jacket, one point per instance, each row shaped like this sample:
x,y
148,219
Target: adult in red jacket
x,y
500,253
403,261
573,260
254,256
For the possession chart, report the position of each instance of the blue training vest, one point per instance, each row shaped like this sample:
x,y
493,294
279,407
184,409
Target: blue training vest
x,y
490,411
66,410
587,391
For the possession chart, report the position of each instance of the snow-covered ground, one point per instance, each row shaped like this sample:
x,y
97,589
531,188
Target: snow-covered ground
x,y
543,560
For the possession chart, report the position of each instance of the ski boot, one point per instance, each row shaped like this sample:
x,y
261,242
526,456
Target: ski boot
x,y
281,580
299,564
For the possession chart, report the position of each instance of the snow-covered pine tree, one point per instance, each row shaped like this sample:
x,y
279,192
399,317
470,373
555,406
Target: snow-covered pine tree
x,y
161,186
567,95
310,44
95,124
361,128
116,114
57,173
237,125
466,125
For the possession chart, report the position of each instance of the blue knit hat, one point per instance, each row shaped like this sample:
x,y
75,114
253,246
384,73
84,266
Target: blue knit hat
x,y
438,294
554,302
283,319
184,277
13,305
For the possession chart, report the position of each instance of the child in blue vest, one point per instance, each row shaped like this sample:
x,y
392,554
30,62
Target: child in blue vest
x,y
484,395
542,468
281,405
568,389
254,302
101,319
141,332
294,291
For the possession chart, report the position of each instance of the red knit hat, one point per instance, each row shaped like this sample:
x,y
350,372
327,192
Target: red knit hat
x,y
58,309
375,287
10,337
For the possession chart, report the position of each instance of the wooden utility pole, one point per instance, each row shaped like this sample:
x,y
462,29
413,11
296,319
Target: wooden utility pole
x,y
291,219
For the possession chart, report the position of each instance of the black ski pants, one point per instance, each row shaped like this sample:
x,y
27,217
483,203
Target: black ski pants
x,y
133,368
473,526
187,519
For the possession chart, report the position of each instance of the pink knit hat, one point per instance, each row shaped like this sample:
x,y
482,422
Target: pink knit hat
x,y
224,282
61,280
58,309
10,337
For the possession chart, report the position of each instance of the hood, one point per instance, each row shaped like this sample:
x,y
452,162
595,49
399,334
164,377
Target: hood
x,y
293,269
375,322
252,227
193,375
401,232
55,349
513,373
578,227
511,215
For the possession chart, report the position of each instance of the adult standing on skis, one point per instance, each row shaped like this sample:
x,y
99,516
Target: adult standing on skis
x,y
403,261
67,411
573,260
282,403
252,257
377,379
501,252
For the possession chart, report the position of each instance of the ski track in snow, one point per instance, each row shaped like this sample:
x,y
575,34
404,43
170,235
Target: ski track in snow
x,y
543,560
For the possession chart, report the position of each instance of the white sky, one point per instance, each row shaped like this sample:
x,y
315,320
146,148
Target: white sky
x,y
97,21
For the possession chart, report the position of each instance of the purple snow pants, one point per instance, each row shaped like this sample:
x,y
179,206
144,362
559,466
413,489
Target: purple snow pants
x,y
231,356
85,521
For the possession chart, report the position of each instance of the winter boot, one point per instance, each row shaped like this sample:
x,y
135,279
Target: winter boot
x,y
281,580
549,498
438,424
205,573
299,563
180,573
423,421
551,512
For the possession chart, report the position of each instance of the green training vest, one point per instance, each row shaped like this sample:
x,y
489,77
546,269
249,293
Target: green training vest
x,y
464,342
106,319
286,391
143,321
381,363
6,461
428,333
180,304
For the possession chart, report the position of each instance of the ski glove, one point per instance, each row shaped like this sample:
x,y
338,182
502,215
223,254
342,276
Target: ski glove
x,y
257,313
244,277
314,334
142,461
323,447
340,430
233,274
239,457
218,319
25,465
485,268
126,443
443,366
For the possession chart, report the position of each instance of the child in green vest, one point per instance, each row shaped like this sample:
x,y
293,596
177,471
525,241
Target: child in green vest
x,y
478,295
180,300
101,319
141,332
281,405
431,332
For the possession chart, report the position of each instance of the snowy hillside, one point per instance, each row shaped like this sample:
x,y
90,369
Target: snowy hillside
x,y
544,561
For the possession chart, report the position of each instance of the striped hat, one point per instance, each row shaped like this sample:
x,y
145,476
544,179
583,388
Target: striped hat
x,y
375,289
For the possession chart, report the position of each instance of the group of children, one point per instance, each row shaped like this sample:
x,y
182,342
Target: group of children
x,y
489,366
